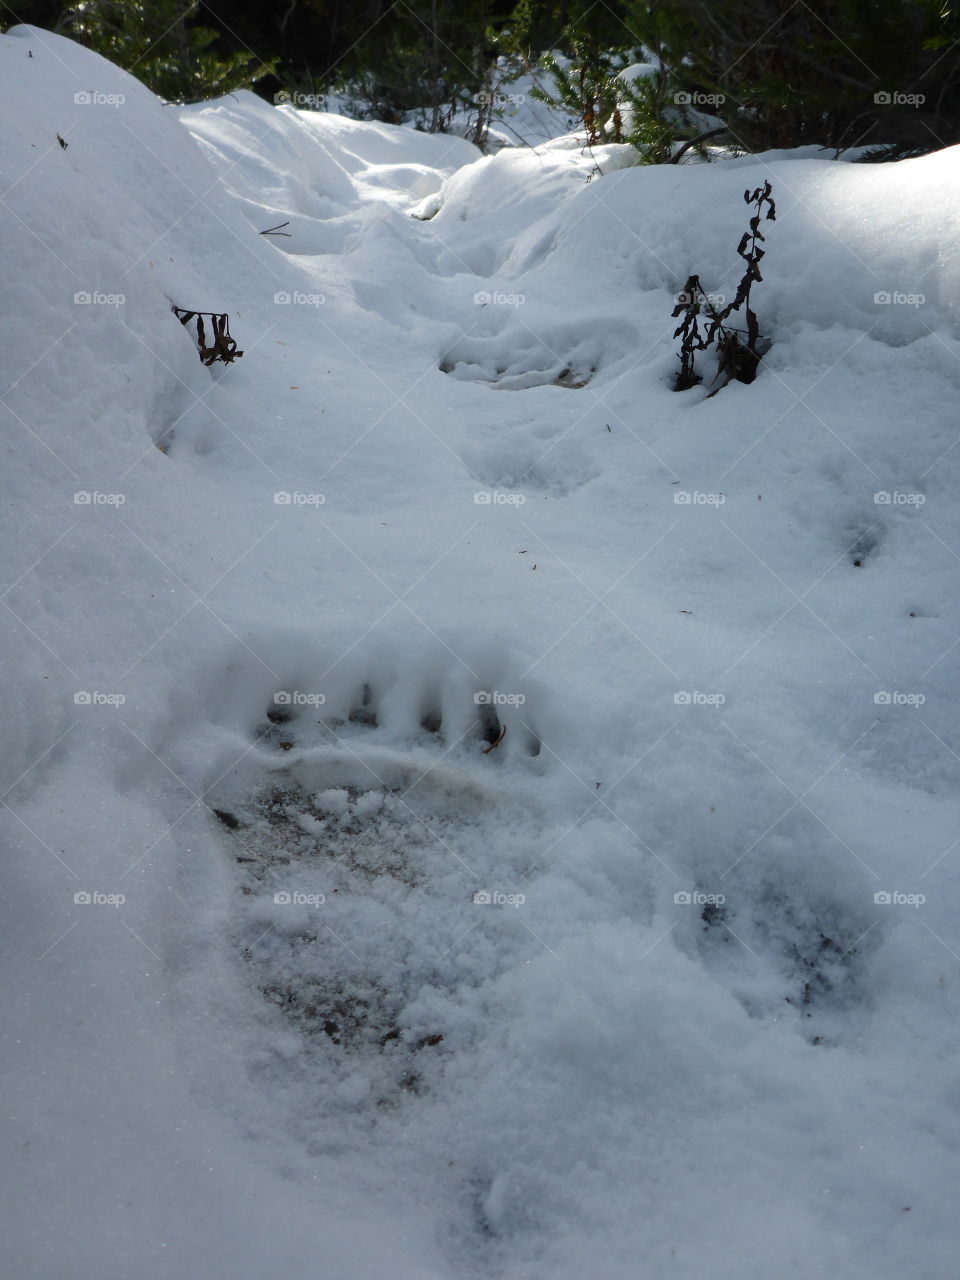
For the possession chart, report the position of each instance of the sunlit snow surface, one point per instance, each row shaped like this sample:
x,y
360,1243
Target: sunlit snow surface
x,y
498,755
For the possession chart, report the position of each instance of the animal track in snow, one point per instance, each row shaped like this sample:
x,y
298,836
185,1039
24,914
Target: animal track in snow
x,y
366,823
781,941
514,461
864,543
518,358
296,720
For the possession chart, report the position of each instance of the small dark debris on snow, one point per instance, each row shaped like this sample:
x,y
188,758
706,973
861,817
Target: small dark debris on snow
x,y
712,914
223,347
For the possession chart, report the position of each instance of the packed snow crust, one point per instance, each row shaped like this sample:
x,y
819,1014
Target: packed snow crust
x,y
447,776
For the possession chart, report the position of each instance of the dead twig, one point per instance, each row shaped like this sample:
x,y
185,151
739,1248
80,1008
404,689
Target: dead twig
x,y
223,348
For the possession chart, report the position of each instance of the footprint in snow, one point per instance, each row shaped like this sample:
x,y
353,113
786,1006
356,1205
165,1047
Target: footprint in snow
x,y
383,825
518,358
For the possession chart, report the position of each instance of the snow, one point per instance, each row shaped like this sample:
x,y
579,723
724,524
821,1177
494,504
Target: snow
x,y
608,995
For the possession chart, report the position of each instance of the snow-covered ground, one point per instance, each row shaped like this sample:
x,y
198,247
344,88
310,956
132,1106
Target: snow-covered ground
x,y
309,968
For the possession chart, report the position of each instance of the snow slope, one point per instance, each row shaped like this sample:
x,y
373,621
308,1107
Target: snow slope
x,y
611,994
